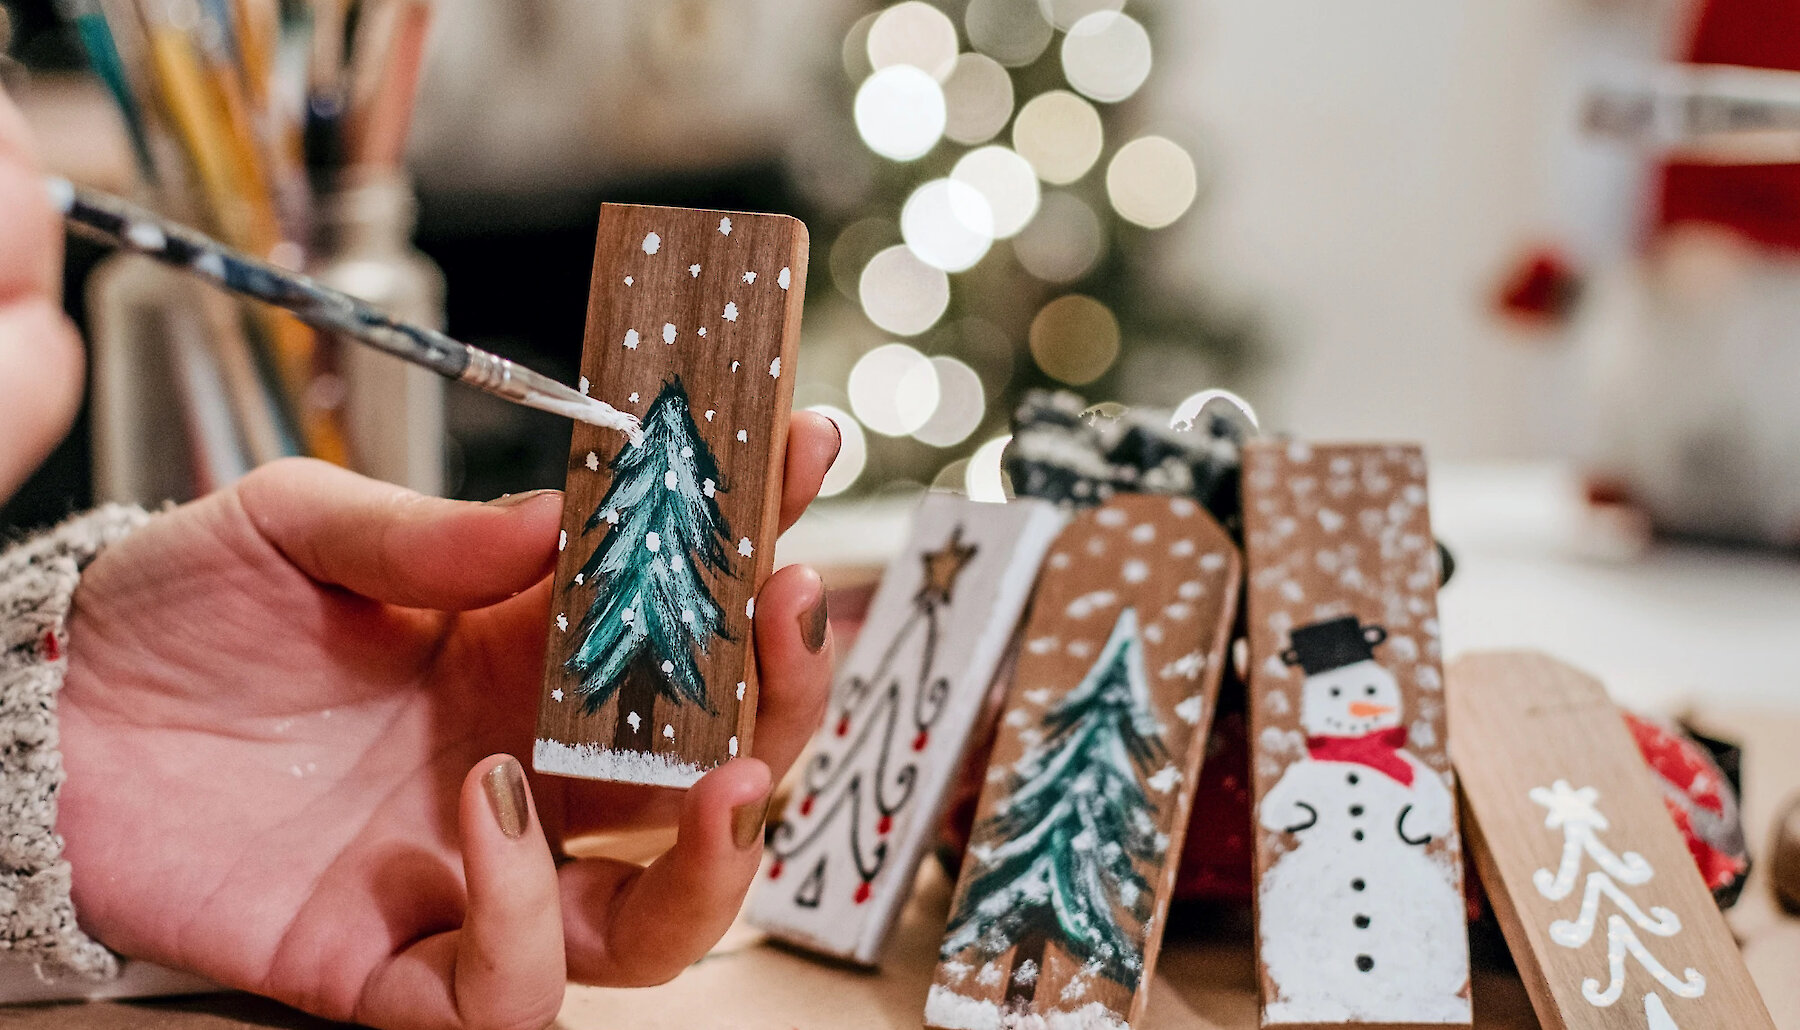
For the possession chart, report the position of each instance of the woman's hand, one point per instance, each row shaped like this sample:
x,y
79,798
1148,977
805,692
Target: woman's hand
x,y
283,725
40,355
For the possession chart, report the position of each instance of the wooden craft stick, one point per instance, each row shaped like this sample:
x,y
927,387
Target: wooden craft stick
x,y
843,856
1060,908
1359,893
693,320
1605,913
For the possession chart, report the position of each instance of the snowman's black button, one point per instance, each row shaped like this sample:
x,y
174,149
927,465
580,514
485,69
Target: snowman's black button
x,y
1353,778
1356,835
1357,884
1362,922
1356,810
1365,963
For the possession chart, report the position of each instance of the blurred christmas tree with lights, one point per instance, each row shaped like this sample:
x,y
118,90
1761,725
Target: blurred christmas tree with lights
x,y
995,199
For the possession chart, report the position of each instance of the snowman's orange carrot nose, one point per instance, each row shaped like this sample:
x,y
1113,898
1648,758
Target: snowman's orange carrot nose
x,y
1364,710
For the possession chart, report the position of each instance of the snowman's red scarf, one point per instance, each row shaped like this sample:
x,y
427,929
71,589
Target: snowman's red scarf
x,y
1379,751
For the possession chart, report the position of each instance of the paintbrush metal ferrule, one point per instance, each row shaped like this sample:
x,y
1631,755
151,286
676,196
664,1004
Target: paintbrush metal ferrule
x,y
498,376
127,227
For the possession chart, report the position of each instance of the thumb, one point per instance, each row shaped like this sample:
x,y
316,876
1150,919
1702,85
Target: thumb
x,y
504,968
509,958
394,545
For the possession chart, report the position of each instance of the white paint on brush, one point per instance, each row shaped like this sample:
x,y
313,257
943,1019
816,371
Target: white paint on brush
x,y
785,278
725,226
652,243
631,340
749,277
145,235
668,332
731,311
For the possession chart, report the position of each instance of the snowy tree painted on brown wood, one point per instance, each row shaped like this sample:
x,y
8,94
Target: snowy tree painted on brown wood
x,y
693,321
1058,911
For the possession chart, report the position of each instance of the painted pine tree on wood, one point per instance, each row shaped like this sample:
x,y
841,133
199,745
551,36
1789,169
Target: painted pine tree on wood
x,y
663,527
1076,824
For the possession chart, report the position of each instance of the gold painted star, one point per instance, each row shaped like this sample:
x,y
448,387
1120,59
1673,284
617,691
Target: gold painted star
x,y
942,566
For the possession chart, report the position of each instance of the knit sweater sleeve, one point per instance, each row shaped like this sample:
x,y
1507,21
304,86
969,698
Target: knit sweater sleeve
x,y
37,583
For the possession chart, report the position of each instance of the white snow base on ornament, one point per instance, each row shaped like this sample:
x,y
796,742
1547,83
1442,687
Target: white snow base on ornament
x,y
952,1011
594,762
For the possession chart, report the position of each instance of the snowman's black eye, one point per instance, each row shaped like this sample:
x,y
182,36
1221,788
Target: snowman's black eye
x,y
1335,691
1369,690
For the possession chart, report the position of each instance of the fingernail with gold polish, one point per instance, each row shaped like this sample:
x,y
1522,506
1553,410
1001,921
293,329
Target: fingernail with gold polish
x,y
747,822
504,785
512,500
813,622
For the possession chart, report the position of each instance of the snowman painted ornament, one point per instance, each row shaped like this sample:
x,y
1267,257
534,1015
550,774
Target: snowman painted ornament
x,y
1357,784
1360,917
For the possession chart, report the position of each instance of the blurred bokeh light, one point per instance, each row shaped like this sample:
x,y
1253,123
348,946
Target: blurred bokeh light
x,y
1075,339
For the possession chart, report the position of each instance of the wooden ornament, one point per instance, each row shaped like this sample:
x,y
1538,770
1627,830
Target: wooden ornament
x,y
693,321
842,857
1358,862
1060,907
1602,906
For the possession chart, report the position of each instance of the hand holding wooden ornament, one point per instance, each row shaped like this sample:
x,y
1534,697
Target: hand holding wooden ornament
x,y
649,675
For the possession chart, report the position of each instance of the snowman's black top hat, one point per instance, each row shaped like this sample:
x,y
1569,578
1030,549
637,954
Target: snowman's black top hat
x,y
1332,644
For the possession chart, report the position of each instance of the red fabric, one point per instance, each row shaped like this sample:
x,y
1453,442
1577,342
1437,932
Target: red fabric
x,y
1693,787
1541,289
1379,751
1760,201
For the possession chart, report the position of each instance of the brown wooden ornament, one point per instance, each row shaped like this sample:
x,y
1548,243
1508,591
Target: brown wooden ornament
x,y
1059,911
1609,921
1359,895
693,321
842,857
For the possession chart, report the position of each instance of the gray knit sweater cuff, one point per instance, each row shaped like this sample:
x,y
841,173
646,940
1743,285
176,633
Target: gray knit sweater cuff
x,y
37,582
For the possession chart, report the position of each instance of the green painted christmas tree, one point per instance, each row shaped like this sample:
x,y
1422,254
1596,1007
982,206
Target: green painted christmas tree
x,y
663,526
1072,830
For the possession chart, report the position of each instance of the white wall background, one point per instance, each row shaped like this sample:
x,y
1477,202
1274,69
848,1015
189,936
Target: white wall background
x,y
1377,165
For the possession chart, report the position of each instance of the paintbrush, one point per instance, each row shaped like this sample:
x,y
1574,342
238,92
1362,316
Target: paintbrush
x,y
123,225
